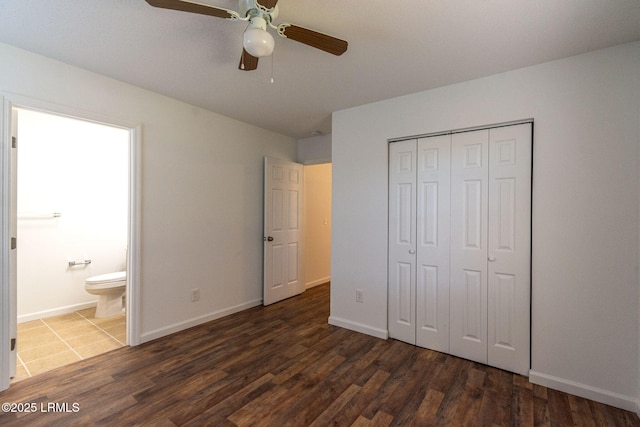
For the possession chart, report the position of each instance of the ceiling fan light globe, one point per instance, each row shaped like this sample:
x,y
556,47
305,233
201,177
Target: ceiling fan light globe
x,y
258,42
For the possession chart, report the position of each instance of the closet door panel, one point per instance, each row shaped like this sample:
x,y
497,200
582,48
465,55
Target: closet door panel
x,y
460,244
509,249
402,241
433,223
469,210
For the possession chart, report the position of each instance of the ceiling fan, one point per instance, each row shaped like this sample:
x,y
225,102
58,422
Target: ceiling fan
x,y
257,41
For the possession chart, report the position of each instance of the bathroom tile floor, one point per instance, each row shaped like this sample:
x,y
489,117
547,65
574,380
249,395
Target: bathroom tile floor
x,y
49,343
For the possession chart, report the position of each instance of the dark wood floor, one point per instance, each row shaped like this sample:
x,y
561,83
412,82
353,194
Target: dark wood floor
x,y
284,365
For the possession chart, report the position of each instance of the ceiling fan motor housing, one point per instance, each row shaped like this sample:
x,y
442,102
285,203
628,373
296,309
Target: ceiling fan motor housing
x,y
251,8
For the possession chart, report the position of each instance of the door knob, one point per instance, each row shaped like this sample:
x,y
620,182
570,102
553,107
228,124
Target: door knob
x,y
491,259
412,251
268,239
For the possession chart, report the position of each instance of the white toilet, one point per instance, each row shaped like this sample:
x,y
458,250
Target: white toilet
x,y
110,289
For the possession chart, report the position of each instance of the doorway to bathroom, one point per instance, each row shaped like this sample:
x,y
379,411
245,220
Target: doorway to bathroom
x,y
72,224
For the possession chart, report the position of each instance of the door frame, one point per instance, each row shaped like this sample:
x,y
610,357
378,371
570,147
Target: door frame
x,y
8,102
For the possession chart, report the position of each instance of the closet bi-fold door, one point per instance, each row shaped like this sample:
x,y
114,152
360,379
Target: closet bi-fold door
x,y
419,173
432,255
509,248
491,246
460,244
469,221
402,241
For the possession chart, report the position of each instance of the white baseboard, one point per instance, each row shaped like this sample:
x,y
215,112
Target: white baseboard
x,y
359,327
181,326
317,282
588,392
56,311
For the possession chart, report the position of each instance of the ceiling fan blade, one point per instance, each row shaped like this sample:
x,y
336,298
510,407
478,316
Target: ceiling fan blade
x,y
313,38
248,62
268,4
188,6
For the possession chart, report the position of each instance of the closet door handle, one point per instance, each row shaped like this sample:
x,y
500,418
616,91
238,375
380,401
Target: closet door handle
x,y
491,259
412,251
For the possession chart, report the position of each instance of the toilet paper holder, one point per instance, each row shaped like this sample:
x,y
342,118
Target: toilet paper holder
x,y
74,263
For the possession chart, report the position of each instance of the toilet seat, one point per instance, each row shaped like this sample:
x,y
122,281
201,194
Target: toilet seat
x,y
105,281
107,278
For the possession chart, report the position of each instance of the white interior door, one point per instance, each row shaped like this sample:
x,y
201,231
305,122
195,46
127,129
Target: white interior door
x,y
402,241
432,225
8,269
13,231
469,210
509,271
283,262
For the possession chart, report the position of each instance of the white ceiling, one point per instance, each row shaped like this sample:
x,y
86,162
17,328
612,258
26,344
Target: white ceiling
x,y
395,48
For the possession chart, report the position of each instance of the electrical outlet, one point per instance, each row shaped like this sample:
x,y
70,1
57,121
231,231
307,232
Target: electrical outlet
x,y
359,295
195,295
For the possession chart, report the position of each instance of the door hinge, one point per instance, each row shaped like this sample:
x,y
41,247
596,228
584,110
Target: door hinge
x,y
13,344
14,142
14,242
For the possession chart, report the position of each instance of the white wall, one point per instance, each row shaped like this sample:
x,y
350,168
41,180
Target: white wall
x,y
317,224
315,149
585,209
78,169
202,184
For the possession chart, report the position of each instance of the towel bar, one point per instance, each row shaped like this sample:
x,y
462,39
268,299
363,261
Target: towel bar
x,y
74,263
